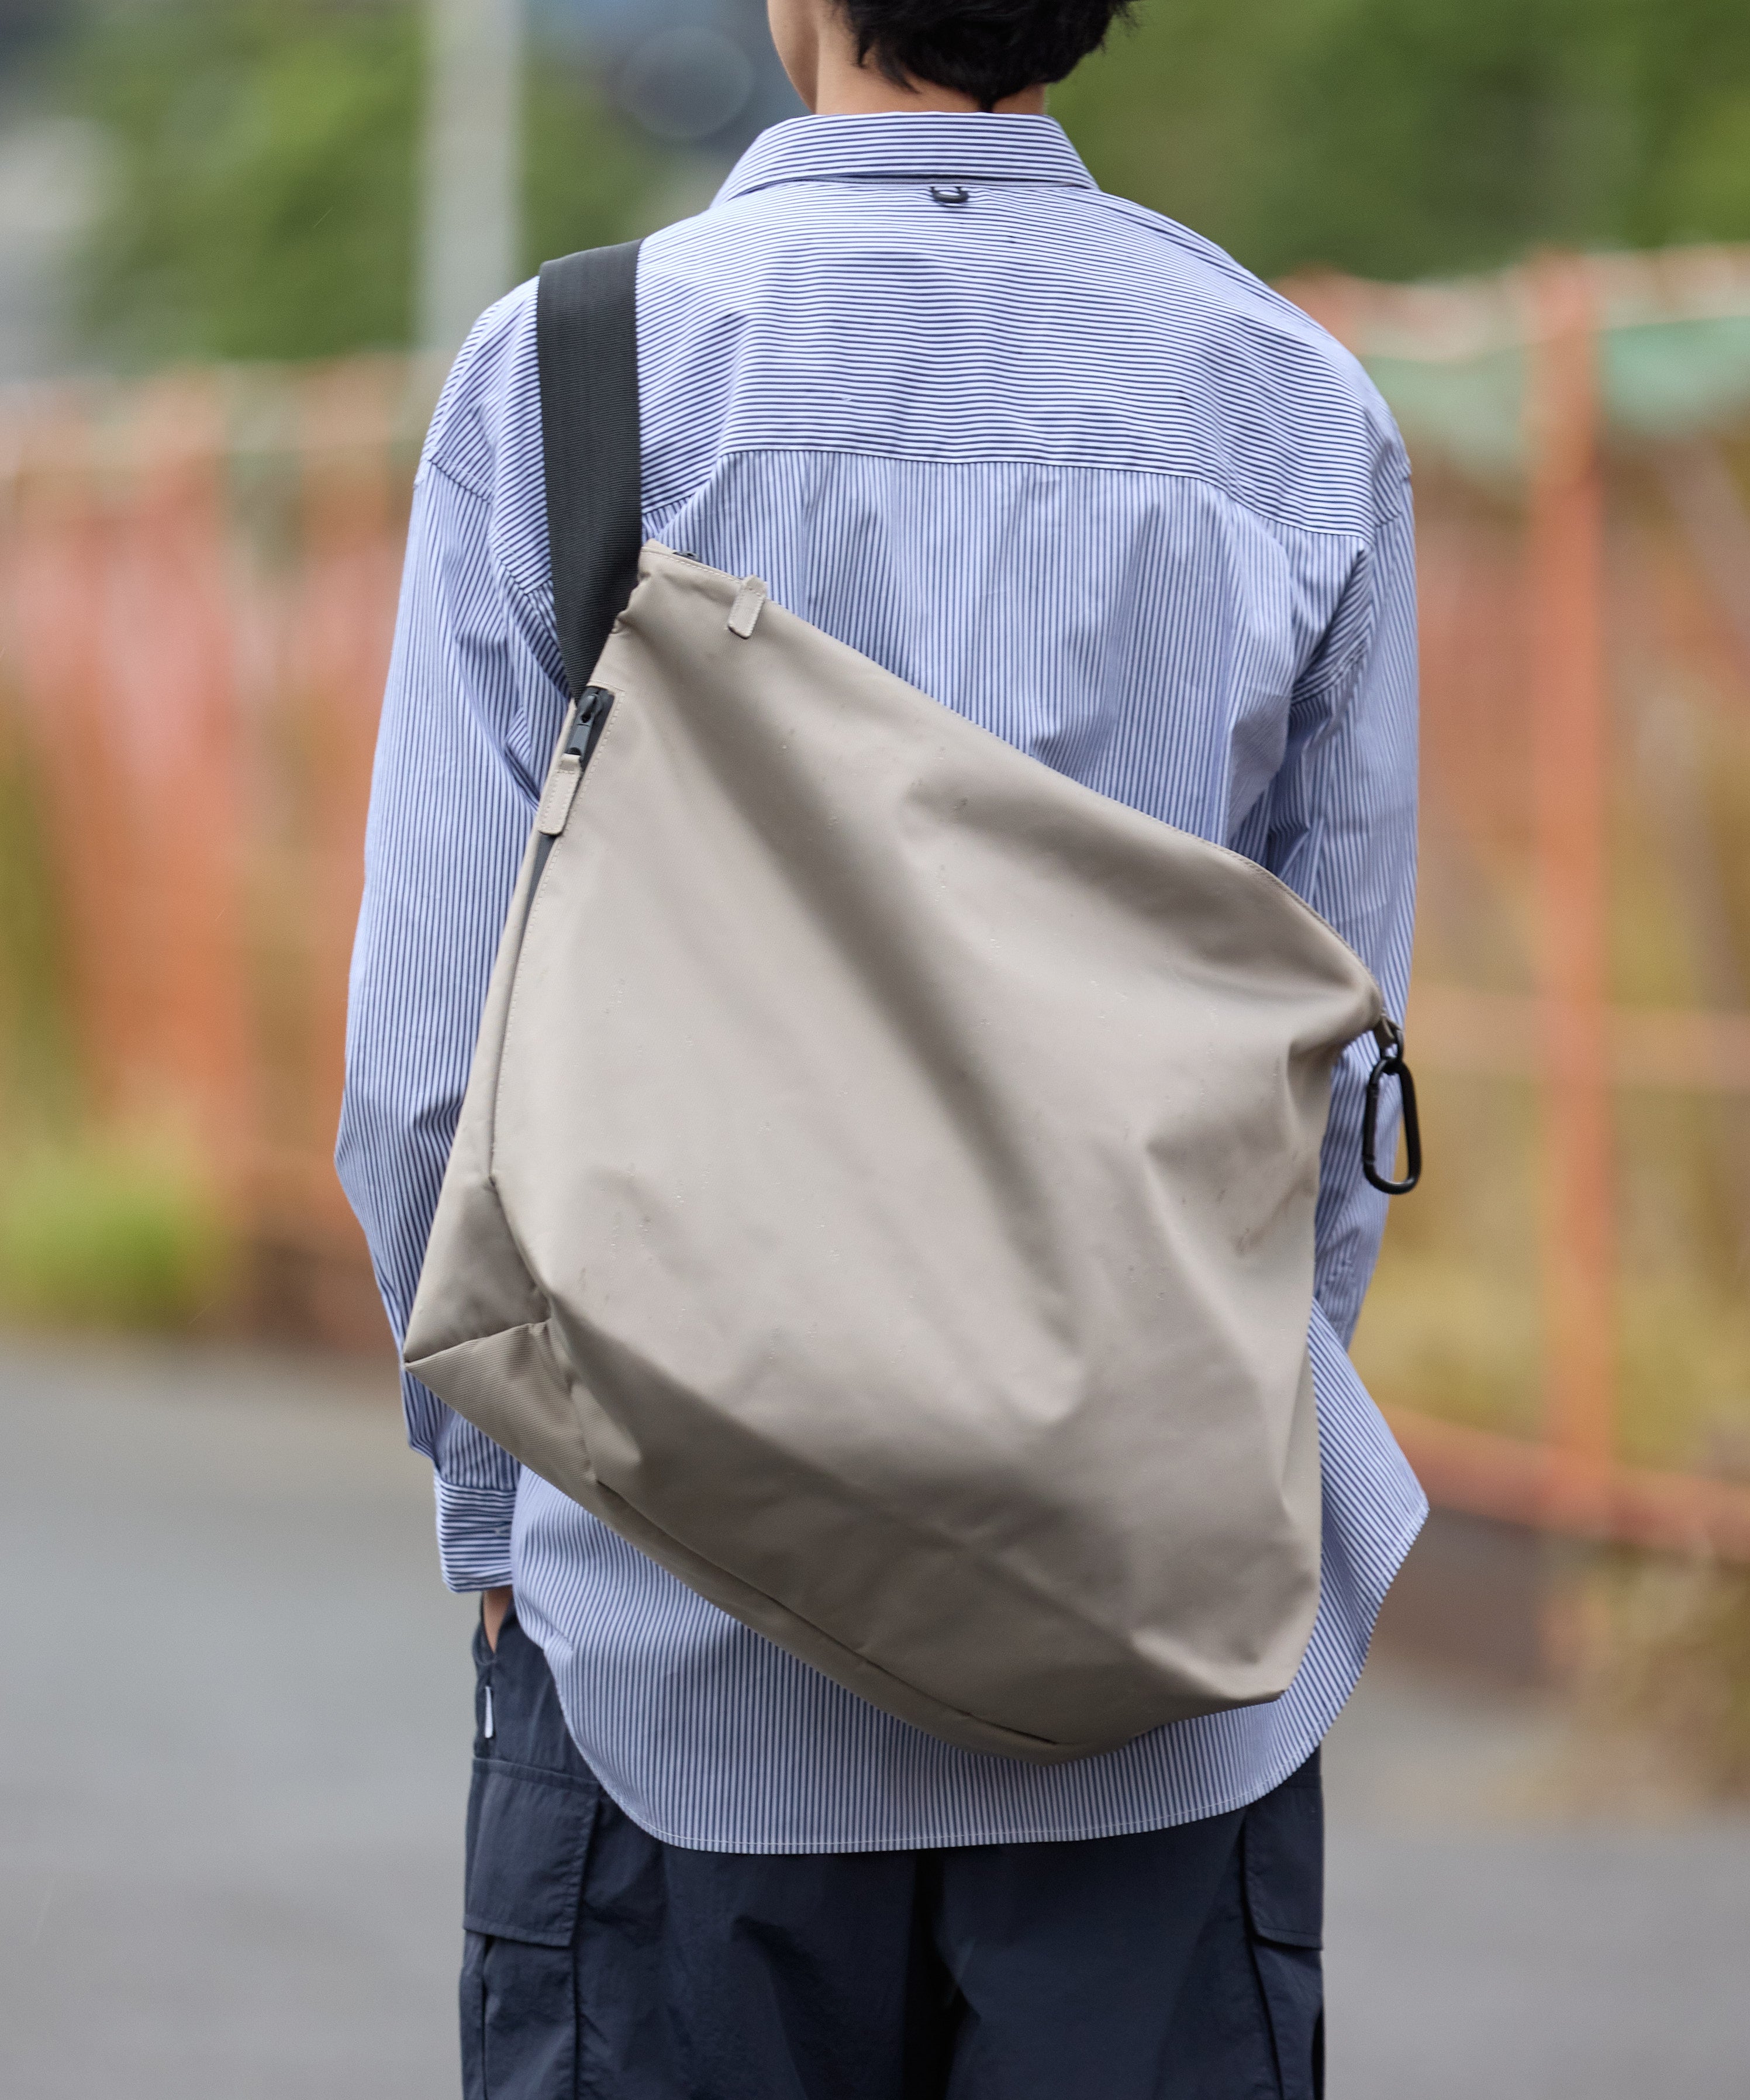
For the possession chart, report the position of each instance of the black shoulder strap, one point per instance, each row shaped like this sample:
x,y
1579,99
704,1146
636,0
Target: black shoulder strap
x,y
586,332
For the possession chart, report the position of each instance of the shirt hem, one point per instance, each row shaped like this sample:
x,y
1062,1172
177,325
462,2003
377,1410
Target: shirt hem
x,y
1240,1794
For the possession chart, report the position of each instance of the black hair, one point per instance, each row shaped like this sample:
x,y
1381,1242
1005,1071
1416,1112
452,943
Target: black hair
x,y
986,49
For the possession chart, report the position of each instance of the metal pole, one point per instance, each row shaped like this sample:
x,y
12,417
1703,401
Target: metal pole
x,y
471,221
1570,768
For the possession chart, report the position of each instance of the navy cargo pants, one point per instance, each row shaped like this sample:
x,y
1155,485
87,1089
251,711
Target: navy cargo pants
x,y
1174,1965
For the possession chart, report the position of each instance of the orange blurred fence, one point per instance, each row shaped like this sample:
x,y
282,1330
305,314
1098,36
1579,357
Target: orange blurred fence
x,y
200,576
1567,607
198,585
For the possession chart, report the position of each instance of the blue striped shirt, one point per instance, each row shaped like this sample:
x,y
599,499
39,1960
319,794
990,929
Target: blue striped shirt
x,y
1069,468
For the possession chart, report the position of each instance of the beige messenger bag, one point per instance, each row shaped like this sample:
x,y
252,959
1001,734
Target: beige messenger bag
x,y
884,1188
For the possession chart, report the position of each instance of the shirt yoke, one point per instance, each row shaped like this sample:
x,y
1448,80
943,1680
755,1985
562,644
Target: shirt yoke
x,y
1062,330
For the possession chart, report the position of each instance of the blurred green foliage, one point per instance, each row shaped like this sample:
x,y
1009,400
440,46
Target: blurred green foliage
x,y
1408,138
1658,1657
97,1228
263,192
266,151
38,1063
101,1232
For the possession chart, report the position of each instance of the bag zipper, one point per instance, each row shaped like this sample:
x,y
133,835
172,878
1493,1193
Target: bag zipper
x,y
594,704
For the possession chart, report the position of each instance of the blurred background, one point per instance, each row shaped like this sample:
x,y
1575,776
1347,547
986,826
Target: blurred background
x,y
239,239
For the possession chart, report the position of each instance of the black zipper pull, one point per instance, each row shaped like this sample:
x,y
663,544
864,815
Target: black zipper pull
x,y
593,704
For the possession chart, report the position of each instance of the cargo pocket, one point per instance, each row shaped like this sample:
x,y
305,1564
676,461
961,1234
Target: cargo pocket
x,y
1282,1844
529,1832
529,1835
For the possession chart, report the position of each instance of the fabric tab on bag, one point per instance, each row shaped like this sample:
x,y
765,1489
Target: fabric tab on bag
x,y
555,803
746,609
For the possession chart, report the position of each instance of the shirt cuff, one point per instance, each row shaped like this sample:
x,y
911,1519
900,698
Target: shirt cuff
x,y
474,1534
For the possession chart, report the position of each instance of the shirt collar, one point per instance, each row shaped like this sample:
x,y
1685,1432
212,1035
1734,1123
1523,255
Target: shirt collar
x,y
934,145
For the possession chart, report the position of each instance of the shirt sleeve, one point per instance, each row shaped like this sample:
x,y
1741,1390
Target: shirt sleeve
x,y
475,701
1341,819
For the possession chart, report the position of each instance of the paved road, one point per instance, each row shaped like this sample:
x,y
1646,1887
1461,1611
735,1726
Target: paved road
x,y
235,1739
234,1751
1479,1950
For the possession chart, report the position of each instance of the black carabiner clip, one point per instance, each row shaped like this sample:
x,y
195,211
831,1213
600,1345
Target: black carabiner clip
x,y
1389,1037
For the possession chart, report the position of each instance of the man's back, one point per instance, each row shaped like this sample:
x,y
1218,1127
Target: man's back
x,y
1072,472
1012,438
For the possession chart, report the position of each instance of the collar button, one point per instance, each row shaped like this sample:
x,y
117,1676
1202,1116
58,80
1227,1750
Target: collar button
x,y
950,193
